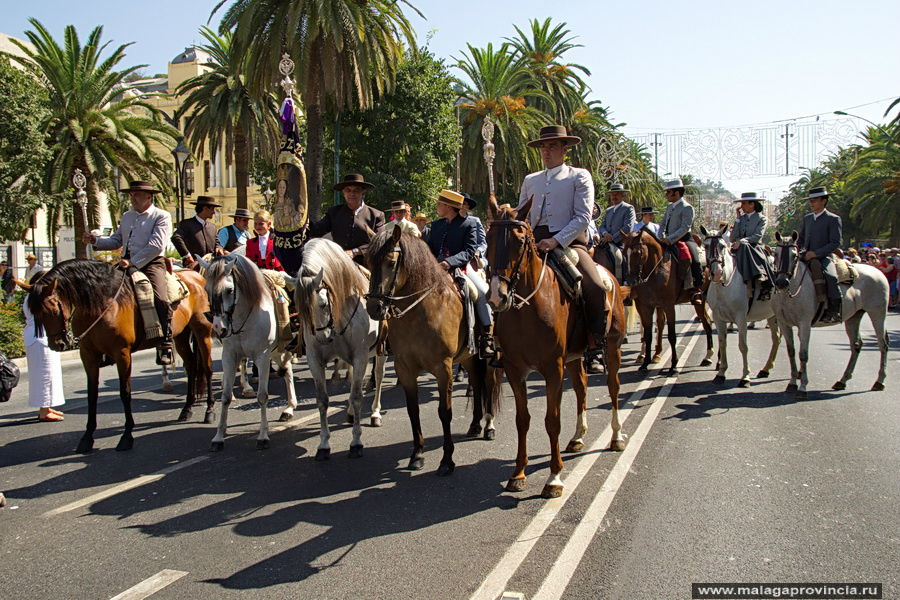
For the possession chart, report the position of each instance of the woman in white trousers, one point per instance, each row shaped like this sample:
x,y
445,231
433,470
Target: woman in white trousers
x,y
45,386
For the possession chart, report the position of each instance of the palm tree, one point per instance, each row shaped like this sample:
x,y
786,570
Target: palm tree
x,y
345,51
874,182
220,107
96,121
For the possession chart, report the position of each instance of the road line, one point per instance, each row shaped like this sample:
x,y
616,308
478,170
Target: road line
x,y
495,583
151,585
564,568
124,487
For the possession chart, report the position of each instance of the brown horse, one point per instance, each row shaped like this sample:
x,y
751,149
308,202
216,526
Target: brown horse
x,y
655,285
540,329
100,302
420,305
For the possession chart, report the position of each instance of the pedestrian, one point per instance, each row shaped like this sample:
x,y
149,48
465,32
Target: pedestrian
x,y
7,283
33,266
261,249
887,266
45,385
235,235
353,222
198,234
421,220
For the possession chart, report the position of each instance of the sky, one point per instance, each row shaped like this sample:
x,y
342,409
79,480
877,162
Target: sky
x,y
657,65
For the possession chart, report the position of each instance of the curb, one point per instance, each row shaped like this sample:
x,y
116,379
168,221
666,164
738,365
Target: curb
x,y
22,362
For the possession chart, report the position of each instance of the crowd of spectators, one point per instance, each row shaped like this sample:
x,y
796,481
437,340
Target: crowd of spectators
x,y
887,260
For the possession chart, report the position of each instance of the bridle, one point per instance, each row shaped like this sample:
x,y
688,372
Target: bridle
x,y
72,341
216,303
637,278
715,256
386,301
788,259
501,260
330,324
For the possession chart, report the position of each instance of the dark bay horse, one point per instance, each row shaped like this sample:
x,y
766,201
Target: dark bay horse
x,y
419,304
655,285
540,329
99,300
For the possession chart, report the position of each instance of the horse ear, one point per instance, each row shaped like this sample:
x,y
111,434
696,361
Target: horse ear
x,y
370,233
794,236
522,213
317,280
229,266
722,230
493,207
777,236
396,235
51,287
704,231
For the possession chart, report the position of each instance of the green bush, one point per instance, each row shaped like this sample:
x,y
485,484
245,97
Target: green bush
x,y
12,326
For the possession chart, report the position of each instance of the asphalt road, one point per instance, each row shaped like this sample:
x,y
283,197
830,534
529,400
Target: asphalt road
x,y
717,483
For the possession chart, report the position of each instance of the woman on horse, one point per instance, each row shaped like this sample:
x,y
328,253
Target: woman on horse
x,y
453,240
746,236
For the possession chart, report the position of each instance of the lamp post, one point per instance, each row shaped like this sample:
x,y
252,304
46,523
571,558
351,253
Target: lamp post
x,y
267,194
180,154
460,92
79,181
872,123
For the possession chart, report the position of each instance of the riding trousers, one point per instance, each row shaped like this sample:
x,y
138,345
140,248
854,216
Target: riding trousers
x,y
481,304
696,269
830,273
155,270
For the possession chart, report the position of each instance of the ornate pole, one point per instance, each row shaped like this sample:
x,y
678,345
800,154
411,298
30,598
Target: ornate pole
x,y
79,181
487,134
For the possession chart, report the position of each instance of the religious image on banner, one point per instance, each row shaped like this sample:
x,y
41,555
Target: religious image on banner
x,y
289,211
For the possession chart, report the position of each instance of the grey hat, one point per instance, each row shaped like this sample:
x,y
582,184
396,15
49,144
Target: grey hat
x,y
673,184
817,192
750,197
617,187
241,213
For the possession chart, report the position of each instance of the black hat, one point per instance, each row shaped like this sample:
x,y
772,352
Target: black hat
x,y
817,192
469,201
648,210
750,197
141,186
207,201
353,179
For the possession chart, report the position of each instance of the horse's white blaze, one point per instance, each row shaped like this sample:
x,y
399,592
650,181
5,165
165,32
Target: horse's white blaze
x,y
494,293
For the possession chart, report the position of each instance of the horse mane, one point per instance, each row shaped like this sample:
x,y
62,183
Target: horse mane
x,y
340,274
84,284
422,270
247,277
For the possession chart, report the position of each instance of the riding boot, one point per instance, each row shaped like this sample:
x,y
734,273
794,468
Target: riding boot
x,y
833,312
164,350
765,289
486,348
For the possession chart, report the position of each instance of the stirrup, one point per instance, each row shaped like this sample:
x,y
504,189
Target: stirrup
x,y
164,355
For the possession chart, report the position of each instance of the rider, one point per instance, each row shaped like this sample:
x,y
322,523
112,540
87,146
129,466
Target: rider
x,y
746,236
453,241
142,234
676,227
820,235
562,198
619,215
197,234
237,234
469,204
351,223
646,221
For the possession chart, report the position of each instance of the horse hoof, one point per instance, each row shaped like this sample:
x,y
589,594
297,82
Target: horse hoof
x,y
574,446
792,387
85,446
262,444
217,446
375,421
445,469
800,394
705,362
743,383
878,387
248,393
656,358
126,443
474,431
490,434
209,417
515,485
416,463
839,385
617,445
323,454
642,369
349,419
671,372
167,387
763,374
551,491
356,451
719,379
286,416
185,414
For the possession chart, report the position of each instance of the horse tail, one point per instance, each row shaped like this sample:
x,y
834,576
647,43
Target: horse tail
x,y
199,368
631,317
486,382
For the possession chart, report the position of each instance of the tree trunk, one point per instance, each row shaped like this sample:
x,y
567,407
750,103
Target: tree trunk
x,y
241,170
315,143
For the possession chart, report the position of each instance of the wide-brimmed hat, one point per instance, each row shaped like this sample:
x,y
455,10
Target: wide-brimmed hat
x,y
750,197
207,201
450,198
141,186
400,205
470,202
673,184
555,132
817,192
617,187
353,179
241,213
420,216
648,210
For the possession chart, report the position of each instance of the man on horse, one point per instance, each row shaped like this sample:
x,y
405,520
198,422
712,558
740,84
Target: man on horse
x,y
746,237
400,210
646,221
453,240
820,235
619,216
562,198
676,227
143,234
352,222
198,235
238,233
469,204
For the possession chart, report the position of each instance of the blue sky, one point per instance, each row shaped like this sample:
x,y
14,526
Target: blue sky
x,y
657,65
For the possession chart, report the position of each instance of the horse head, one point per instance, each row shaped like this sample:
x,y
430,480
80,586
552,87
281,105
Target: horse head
x,y
387,275
314,303
787,256
510,242
52,314
641,249
221,290
716,248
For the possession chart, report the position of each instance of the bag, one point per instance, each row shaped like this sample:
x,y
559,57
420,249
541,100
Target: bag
x,y
9,377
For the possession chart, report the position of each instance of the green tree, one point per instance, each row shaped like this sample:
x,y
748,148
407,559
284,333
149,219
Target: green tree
x,y
23,152
874,183
219,106
97,122
345,51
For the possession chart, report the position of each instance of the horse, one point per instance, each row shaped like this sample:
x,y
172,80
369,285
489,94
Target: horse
x,y
655,285
426,329
727,296
329,295
539,328
106,320
243,318
795,306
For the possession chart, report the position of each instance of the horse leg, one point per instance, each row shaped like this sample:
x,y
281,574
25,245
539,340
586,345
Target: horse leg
x,y
375,419
166,382
356,394
787,332
554,378
660,323
646,314
775,333
288,377
228,367
722,332
91,362
317,368
263,361
183,347
579,385
673,340
352,416
883,344
851,326
613,363
700,309
803,332
246,389
407,378
445,412
742,346
123,366
519,387
205,345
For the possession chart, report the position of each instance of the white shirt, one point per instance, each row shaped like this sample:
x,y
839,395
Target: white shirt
x,y
201,220
263,245
816,214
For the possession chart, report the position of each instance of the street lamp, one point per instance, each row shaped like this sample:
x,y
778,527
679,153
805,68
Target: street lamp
x,y
872,123
267,194
181,154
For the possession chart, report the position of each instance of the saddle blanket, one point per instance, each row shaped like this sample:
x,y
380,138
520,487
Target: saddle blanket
x,y
846,272
277,286
683,251
176,290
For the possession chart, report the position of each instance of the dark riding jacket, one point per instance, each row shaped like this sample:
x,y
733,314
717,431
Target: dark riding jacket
x,y
453,241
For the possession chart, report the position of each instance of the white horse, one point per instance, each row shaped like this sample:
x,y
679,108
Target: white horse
x,y
727,296
244,320
329,299
795,306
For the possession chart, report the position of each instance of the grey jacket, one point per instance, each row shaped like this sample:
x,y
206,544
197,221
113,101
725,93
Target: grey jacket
x,y
142,235
564,197
750,227
677,220
616,218
822,235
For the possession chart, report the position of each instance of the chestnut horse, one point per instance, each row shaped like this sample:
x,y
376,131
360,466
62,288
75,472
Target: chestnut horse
x,y
420,305
655,285
540,329
99,300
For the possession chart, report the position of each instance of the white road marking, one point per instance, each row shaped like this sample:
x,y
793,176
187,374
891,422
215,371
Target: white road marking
x,y
495,583
151,585
564,568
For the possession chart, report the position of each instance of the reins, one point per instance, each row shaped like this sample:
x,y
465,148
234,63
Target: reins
x,y
791,273
512,282
642,279
392,311
77,339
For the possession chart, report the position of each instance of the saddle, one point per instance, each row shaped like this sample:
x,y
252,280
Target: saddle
x,y
277,286
467,295
846,272
564,263
176,290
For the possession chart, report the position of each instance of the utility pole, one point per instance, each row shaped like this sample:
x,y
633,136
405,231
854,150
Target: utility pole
x,y
787,146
